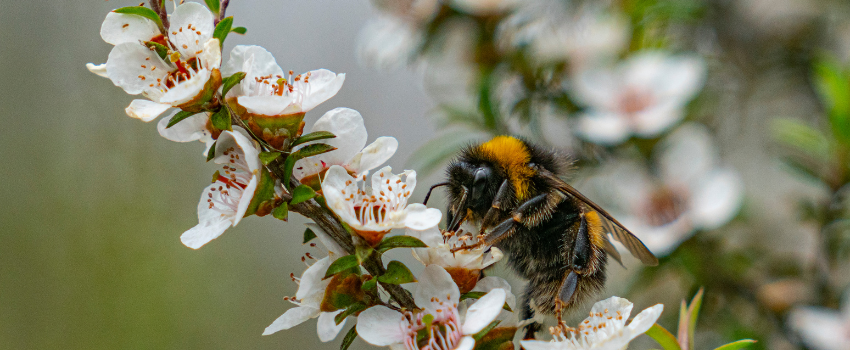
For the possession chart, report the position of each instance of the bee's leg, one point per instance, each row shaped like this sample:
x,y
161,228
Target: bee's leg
x,y
496,207
501,231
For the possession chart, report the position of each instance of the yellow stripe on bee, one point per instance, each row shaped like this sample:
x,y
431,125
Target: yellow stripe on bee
x,y
513,156
594,228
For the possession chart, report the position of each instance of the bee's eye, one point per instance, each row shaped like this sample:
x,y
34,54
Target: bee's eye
x,y
479,183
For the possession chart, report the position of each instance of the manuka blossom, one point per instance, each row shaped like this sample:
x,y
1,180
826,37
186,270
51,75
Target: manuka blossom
x,y
372,213
187,76
644,96
692,191
225,202
194,128
604,329
444,327
347,125
266,91
464,265
821,328
308,301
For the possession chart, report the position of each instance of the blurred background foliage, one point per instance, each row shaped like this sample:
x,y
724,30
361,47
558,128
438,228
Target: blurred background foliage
x,y
95,202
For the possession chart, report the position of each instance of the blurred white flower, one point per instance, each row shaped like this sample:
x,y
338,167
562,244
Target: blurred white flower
x,y
484,7
821,328
224,203
463,265
375,212
194,59
266,91
392,38
444,326
556,31
644,96
347,125
604,329
692,191
308,298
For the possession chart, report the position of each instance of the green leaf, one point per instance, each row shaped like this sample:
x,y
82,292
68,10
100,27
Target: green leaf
x,y
140,11
663,337
264,191
833,87
363,252
399,242
221,119
396,273
231,81
281,212
288,164
740,344
693,312
160,49
239,30
682,334
799,136
214,6
312,150
308,235
313,136
341,264
178,117
350,310
370,284
211,152
483,332
222,29
349,338
478,295
301,194
268,157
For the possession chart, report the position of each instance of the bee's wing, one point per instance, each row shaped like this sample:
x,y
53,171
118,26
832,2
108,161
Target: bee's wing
x,y
617,230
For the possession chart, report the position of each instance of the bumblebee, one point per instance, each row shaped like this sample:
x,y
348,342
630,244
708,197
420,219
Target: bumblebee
x,y
552,235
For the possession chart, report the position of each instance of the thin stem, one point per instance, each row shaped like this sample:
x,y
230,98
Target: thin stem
x,y
156,6
222,9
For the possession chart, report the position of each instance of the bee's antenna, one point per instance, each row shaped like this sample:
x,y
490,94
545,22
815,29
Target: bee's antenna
x,y
431,189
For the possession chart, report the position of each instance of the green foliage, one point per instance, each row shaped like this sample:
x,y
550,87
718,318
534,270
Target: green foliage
x,y
363,252
268,157
264,191
282,212
222,29
349,338
141,11
211,151
309,235
313,136
178,117
663,337
341,264
214,5
301,194
231,81
239,30
483,332
160,49
399,242
221,119
740,344
799,136
371,284
396,273
833,86
478,295
350,310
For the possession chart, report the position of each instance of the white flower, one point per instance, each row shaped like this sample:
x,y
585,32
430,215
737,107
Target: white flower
x,y
448,329
463,265
347,125
194,57
604,329
643,96
692,191
266,91
224,203
384,207
194,128
821,328
308,298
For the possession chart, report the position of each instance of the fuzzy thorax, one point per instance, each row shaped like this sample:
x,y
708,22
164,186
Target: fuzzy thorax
x,y
512,155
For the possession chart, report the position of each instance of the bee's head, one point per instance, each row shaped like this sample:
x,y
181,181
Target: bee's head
x,y
478,182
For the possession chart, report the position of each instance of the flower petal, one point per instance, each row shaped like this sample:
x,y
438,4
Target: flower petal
x,y
435,283
187,90
347,125
541,345
324,84
380,326
431,236
255,61
245,200
326,240
657,118
120,28
819,328
211,223
419,217
311,283
99,69
266,105
716,199
327,327
374,155
191,27
133,67
483,311
190,129
490,283
466,343
644,320
337,180
603,128
228,139
292,318
146,110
